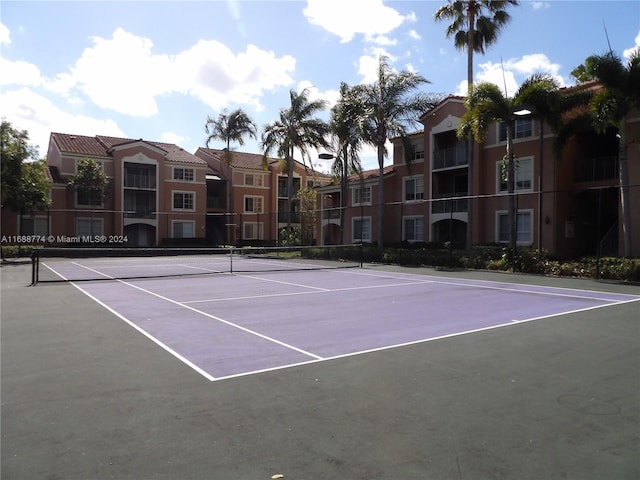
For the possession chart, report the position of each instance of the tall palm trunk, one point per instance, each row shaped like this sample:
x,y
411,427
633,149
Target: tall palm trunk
x,y
343,191
289,191
380,194
470,49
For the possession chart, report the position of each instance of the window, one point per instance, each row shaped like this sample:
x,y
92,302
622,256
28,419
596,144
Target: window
x,y
362,196
417,151
88,227
34,225
252,179
183,200
522,128
252,230
89,198
362,229
253,204
524,227
524,175
183,229
413,229
413,188
183,174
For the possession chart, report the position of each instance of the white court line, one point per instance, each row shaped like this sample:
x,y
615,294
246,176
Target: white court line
x,y
139,329
166,347
462,283
424,340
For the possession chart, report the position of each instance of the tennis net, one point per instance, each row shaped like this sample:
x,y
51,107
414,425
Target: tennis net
x,y
91,264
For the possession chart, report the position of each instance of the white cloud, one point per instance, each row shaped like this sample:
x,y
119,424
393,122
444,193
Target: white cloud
x,y
19,73
170,137
347,18
330,96
627,53
27,110
5,36
368,64
513,72
122,74
540,5
415,35
384,40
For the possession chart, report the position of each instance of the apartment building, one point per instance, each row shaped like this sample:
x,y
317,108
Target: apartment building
x,y
568,205
157,194
247,200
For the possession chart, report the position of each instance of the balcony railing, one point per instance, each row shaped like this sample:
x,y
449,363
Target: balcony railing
x,y
450,204
597,169
283,217
331,214
133,180
146,214
455,156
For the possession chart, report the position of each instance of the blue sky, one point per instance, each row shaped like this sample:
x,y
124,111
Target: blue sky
x,y
157,69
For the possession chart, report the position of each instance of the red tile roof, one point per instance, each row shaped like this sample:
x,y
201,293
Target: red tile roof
x,y
100,146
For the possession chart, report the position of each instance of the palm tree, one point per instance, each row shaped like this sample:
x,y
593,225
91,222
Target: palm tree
x,y
610,107
346,128
390,106
475,24
297,128
487,104
230,127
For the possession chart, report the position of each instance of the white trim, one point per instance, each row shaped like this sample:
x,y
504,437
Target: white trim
x,y
100,221
254,197
353,229
186,192
404,228
355,188
404,188
529,159
184,170
191,222
500,213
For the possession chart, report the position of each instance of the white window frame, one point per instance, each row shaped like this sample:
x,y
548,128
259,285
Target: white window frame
x,y
36,224
183,209
98,226
366,235
255,199
250,229
356,195
418,181
413,218
520,218
417,153
182,176
253,179
175,223
522,165
518,127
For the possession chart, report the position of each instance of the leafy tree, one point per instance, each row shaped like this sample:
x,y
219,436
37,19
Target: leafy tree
x,y
297,128
307,197
230,127
346,128
25,186
90,181
475,25
610,107
390,104
487,104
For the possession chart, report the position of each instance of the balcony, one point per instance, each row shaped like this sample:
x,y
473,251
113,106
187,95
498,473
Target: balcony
x,y
283,217
596,169
451,157
331,214
450,204
142,181
140,214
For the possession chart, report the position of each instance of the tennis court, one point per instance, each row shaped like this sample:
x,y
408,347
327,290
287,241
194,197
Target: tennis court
x,y
375,372
246,323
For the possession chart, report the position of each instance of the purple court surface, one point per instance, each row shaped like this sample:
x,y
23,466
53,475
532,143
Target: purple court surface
x,y
229,325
